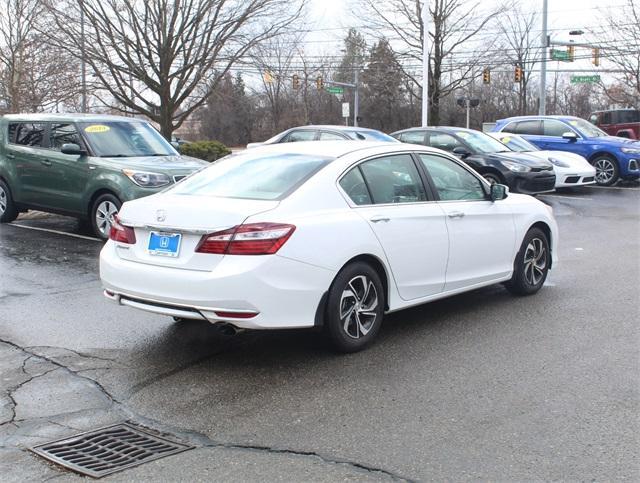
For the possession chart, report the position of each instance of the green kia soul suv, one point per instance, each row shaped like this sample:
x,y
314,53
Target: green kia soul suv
x,y
83,165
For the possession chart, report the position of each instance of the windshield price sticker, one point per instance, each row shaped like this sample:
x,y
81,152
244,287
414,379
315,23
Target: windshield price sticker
x,y
97,128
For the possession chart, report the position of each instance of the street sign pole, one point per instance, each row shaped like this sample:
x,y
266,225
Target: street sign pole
x,y
425,63
542,109
356,100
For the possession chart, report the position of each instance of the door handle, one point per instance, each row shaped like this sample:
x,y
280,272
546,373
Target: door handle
x,y
377,219
46,162
455,214
11,156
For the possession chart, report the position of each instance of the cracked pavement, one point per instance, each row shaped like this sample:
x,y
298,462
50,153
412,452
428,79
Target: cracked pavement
x,y
480,386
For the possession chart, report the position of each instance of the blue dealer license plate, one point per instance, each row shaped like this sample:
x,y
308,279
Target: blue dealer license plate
x,y
165,244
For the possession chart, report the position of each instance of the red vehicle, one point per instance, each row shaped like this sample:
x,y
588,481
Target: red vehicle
x,y
624,123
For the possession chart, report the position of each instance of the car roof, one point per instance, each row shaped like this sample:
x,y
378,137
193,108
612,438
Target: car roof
x,y
333,149
69,117
333,127
434,128
535,118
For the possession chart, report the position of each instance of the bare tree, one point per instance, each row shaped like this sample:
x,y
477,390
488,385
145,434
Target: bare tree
x,y
33,75
621,40
521,47
158,58
454,26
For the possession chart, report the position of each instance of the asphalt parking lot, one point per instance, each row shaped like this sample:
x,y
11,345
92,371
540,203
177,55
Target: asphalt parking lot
x,y
479,386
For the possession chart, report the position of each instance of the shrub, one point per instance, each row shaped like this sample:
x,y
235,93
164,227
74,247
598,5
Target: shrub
x,y
207,150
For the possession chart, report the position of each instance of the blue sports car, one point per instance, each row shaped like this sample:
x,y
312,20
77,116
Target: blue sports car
x,y
614,158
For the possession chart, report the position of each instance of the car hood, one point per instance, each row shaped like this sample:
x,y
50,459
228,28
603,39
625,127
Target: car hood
x,y
618,141
172,163
573,159
522,158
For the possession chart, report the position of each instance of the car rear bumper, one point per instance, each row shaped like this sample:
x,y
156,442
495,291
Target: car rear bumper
x,y
249,292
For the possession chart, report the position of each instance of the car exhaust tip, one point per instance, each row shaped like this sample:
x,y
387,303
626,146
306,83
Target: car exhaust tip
x,y
226,329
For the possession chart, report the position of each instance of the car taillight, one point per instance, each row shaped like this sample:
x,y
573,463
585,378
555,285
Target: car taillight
x,y
250,239
121,233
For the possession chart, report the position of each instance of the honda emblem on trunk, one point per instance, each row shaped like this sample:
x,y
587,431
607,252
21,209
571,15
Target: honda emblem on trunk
x,y
161,215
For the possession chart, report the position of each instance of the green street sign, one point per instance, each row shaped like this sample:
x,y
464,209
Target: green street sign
x,y
585,79
559,55
334,90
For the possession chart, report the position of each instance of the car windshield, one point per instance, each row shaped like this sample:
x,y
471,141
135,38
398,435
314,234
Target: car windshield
x,y
124,139
261,177
586,128
370,136
516,143
481,143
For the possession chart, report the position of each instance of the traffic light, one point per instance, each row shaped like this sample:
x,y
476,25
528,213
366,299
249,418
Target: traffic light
x,y
295,81
486,76
596,56
518,74
571,50
319,82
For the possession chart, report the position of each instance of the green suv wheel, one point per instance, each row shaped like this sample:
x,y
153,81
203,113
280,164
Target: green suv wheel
x,y
8,211
104,209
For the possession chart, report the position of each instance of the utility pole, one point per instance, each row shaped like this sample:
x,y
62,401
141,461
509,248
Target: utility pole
x,y
543,65
356,98
425,63
83,63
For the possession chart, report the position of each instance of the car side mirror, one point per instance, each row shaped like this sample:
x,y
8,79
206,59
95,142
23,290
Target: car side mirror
x,y
571,136
74,149
460,151
498,192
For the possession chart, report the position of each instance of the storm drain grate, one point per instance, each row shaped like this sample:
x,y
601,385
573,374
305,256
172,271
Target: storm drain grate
x,y
107,450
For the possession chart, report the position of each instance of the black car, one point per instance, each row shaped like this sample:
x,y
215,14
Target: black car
x,y
489,157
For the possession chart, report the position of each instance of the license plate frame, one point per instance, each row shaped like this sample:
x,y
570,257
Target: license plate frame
x,y
164,244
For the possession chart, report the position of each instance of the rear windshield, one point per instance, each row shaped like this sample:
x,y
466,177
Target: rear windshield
x,y
371,136
261,177
124,139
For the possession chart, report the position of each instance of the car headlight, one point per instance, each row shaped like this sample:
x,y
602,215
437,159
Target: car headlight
x,y
516,167
147,179
557,162
630,150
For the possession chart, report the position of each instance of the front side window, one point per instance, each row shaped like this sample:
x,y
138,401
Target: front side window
x,y
30,134
251,176
12,129
554,128
412,137
393,179
354,186
330,136
532,128
296,136
124,139
443,141
63,134
452,181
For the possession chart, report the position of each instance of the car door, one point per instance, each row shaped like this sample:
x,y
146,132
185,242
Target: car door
x,y
482,235
389,193
552,140
69,173
26,150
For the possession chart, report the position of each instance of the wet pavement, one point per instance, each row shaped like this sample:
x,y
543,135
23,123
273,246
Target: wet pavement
x,y
478,386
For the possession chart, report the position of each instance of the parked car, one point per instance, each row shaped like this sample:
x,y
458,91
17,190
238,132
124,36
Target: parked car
x,y
324,234
83,165
571,169
614,158
522,172
624,123
325,133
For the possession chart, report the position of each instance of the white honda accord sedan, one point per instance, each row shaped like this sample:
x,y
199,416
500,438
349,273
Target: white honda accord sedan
x,y
324,234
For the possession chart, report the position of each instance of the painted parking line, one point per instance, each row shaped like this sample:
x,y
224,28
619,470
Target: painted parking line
x,y
57,232
613,188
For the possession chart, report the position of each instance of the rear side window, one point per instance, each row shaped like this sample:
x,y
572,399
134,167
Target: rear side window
x,y
63,134
296,136
330,136
532,128
393,179
30,134
412,137
256,177
354,186
13,127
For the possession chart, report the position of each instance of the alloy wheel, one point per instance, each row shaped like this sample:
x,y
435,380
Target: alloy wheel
x,y
535,261
358,307
105,214
605,170
3,201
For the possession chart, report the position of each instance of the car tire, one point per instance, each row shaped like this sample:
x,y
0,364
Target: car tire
x,y
493,178
355,308
531,264
104,208
8,210
607,171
